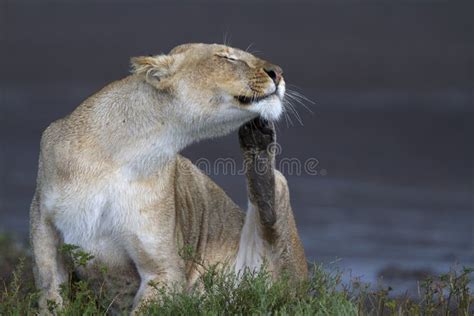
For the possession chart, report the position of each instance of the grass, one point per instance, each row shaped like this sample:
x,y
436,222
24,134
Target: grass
x,y
252,293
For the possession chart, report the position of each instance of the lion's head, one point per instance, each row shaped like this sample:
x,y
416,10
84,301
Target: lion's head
x,y
215,83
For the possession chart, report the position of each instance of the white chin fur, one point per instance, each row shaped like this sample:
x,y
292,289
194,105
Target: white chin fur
x,y
269,109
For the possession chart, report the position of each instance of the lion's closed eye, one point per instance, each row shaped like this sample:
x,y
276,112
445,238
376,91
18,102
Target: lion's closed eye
x,y
228,57
231,58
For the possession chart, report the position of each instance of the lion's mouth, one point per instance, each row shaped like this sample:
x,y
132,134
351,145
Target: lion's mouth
x,y
247,100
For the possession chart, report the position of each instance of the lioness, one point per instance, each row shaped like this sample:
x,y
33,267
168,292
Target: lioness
x,y
111,181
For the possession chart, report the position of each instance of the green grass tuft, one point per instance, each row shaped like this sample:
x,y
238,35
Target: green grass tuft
x,y
252,293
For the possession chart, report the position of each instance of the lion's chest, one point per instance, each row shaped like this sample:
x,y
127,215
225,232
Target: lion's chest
x,y
103,216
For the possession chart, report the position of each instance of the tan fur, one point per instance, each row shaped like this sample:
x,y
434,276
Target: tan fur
x,y
111,181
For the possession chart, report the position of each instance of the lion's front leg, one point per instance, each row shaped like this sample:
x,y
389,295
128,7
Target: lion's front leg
x,y
257,139
156,258
49,268
269,232
258,233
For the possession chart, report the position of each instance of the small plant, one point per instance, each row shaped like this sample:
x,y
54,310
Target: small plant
x,y
78,294
18,298
79,257
448,294
222,292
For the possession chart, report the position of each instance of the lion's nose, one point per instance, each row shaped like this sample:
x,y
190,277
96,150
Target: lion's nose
x,y
274,72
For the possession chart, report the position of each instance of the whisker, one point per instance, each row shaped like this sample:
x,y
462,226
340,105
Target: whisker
x,y
248,47
298,94
296,90
284,114
224,38
277,127
287,116
227,39
295,113
297,99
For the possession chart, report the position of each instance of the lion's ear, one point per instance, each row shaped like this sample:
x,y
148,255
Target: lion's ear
x,y
154,68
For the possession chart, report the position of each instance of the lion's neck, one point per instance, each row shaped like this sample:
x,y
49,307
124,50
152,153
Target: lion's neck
x,y
148,156
135,129
142,130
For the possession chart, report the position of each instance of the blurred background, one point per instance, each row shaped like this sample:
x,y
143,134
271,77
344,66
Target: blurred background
x,y
392,123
